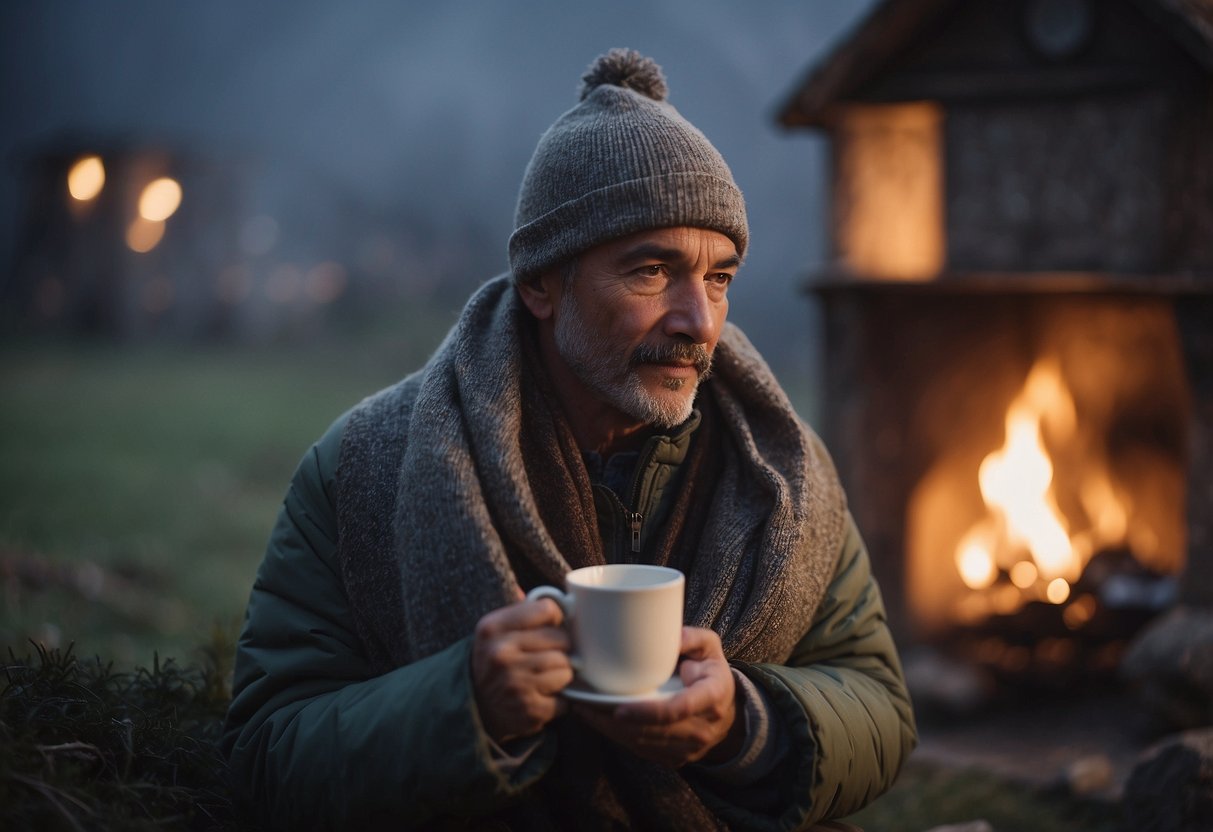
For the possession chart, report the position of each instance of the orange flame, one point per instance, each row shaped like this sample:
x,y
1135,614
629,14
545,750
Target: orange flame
x,y
1018,488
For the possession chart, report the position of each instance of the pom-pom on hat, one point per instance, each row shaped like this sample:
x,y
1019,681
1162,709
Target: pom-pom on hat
x,y
623,160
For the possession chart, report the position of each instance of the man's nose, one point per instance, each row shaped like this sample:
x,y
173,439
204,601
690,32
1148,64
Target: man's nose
x,y
692,313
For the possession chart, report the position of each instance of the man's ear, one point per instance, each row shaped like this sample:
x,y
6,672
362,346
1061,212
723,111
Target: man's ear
x,y
540,294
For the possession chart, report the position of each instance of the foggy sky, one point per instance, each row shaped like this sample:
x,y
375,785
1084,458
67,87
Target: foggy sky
x,y
434,107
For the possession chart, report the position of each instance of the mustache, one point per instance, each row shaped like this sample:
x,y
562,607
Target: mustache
x,y
677,352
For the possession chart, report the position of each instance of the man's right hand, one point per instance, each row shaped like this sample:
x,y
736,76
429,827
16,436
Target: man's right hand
x,y
520,663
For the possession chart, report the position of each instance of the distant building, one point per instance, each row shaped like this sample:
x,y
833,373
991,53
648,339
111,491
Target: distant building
x,y
133,240
122,240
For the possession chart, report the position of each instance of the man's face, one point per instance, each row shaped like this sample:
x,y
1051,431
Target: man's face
x,y
638,321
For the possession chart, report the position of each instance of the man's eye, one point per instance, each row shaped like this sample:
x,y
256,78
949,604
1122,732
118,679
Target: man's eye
x,y
722,278
655,270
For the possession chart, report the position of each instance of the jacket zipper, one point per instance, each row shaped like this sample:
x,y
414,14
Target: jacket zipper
x,y
636,520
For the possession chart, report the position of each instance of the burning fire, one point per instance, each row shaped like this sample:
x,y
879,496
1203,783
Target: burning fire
x,y
1063,486
1025,532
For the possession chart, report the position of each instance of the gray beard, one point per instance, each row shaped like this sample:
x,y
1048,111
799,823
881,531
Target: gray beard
x,y
614,377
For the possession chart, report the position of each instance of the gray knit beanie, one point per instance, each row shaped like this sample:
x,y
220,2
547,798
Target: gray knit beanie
x,y
623,160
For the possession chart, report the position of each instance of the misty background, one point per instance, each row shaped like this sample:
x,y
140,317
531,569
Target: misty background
x,y
394,135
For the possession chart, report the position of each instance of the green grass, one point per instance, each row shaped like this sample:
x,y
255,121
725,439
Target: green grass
x,y
138,484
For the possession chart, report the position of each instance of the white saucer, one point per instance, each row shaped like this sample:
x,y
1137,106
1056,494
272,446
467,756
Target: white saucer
x,y
582,692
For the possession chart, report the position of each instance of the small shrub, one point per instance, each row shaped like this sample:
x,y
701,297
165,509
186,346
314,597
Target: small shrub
x,y
83,746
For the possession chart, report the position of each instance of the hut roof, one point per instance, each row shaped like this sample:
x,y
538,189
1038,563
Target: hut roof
x,y
892,25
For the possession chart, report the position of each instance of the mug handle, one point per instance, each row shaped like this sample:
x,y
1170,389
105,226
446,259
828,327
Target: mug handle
x,y
562,598
565,600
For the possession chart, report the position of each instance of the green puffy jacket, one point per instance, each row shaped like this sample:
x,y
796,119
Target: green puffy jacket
x,y
317,740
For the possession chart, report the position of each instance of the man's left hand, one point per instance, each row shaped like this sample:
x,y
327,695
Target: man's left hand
x,y
697,723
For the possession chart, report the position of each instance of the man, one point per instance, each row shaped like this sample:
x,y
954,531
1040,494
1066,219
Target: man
x,y
391,672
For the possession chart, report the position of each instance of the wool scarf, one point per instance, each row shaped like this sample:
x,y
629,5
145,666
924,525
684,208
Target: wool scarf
x,y
462,487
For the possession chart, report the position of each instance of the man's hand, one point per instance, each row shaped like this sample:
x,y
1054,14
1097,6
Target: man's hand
x,y
699,722
520,663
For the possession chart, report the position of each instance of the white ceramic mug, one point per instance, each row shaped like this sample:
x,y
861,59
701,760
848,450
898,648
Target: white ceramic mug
x,y
625,621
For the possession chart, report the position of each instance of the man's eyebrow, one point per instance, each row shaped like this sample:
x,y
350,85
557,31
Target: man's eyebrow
x,y
731,262
649,251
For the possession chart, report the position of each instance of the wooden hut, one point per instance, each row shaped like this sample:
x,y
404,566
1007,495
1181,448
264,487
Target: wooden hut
x,y
1019,185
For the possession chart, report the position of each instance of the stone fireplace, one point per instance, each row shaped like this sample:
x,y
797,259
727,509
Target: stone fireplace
x,y
1018,317
1024,460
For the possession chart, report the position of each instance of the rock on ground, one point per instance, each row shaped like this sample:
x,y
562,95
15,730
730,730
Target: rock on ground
x,y
1170,666
1171,788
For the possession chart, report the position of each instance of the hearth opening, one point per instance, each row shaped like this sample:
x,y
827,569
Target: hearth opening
x,y
1048,524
